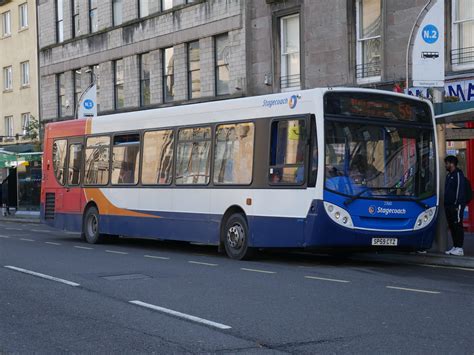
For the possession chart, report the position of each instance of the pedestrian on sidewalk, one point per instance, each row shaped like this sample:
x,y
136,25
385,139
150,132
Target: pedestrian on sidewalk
x,y
454,204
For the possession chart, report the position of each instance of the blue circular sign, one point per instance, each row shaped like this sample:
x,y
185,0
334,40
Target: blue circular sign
x,y
430,34
88,104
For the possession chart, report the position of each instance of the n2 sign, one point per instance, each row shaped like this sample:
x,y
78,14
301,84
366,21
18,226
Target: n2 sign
x,y
430,34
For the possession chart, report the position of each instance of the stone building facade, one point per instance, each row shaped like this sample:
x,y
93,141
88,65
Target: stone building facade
x,y
144,52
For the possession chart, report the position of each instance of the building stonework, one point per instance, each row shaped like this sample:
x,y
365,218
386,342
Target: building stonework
x,y
17,47
328,49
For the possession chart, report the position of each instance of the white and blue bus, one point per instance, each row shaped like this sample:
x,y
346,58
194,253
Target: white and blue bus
x,y
320,168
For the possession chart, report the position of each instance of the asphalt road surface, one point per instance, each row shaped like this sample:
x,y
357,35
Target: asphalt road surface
x,y
59,294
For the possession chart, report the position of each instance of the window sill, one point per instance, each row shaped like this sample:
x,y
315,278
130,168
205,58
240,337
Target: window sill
x,y
369,80
293,88
6,36
6,91
27,86
462,67
23,29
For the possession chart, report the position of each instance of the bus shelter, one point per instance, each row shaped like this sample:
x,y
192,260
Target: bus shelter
x,y
456,124
21,180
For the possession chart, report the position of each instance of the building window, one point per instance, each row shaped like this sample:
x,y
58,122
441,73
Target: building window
x,y
61,95
9,126
369,39
93,18
168,74
76,28
193,160
8,78
117,14
290,52
166,4
59,20
94,71
118,84
77,88
462,53
23,10
25,123
194,70
147,7
25,73
6,24
222,54
233,157
145,66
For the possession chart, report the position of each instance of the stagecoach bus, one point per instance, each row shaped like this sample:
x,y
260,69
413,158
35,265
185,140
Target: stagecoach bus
x,y
321,168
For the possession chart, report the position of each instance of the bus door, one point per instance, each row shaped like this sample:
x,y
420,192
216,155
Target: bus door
x,y
72,197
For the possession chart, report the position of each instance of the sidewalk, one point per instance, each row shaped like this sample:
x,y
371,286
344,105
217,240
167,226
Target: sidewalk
x,y
22,217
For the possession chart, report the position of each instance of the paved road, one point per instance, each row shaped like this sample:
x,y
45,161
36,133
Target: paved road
x,y
151,296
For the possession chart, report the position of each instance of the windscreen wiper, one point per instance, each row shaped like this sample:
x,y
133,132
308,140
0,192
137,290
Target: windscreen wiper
x,y
356,196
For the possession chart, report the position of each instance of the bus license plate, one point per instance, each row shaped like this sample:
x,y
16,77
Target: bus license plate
x,y
386,242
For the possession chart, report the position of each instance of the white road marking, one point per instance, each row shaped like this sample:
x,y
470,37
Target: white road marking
x,y
14,229
447,267
47,277
40,230
257,270
27,240
52,243
325,279
156,257
181,315
115,252
412,290
4,236
201,263
80,247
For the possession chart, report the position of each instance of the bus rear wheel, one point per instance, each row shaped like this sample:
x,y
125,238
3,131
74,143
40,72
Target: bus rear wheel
x,y
236,236
90,226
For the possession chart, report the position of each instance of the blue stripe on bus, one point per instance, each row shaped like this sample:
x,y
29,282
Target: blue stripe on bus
x,y
316,230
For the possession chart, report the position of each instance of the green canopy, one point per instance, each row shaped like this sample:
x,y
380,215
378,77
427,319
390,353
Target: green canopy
x,y
11,160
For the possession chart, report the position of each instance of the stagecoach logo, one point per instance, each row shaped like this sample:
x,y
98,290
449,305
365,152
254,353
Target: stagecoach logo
x,y
291,102
372,209
386,211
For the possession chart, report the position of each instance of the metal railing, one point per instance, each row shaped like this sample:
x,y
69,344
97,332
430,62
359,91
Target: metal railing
x,y
367,70
462,56
290,81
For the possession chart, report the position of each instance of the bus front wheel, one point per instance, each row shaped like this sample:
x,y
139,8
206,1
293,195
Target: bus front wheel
x,y
90,227
236,236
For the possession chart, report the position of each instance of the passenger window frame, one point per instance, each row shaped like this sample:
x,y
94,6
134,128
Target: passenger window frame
x,y
111,157
173,160
84,184
65,166
306,119
79,142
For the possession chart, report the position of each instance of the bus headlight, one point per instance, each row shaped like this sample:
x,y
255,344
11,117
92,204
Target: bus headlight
x,y
338,215
425,218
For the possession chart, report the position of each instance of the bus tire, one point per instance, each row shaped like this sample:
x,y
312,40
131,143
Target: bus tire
x,y
236,237
90,227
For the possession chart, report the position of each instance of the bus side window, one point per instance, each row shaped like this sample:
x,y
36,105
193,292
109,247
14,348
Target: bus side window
x,y
233,161
59,160
193,161
75,164
97,161
125,159
287,152
158,151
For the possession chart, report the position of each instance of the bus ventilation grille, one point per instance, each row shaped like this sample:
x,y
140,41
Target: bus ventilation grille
x,y
50,206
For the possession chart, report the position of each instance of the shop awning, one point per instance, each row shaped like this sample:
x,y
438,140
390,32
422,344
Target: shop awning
x,y
11,160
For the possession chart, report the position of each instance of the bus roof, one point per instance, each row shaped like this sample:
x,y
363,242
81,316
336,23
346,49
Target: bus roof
x,y
273,105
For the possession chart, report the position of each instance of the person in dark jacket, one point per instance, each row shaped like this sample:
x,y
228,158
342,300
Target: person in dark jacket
x,y
454,204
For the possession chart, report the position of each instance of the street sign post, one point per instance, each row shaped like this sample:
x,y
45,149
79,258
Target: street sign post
x,y
428,51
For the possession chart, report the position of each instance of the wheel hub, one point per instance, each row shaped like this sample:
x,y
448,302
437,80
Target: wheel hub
x,y
236,236
92,225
